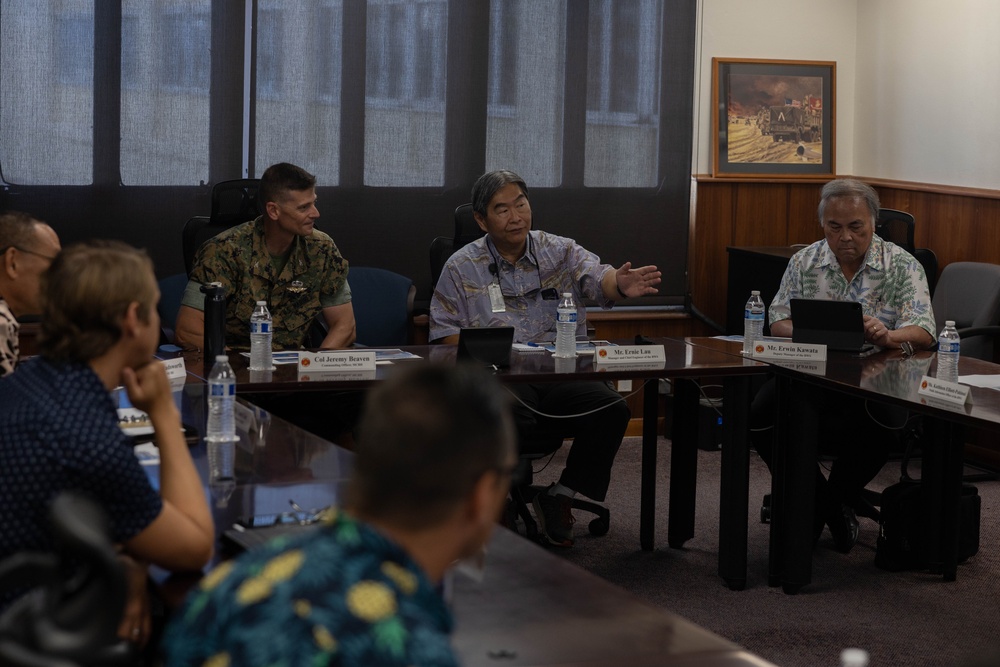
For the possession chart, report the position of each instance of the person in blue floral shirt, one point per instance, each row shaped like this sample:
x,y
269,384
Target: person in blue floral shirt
x,y
851,263
431,472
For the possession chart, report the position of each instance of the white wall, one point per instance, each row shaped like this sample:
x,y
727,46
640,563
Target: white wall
x,y
918,81
783,29
928,92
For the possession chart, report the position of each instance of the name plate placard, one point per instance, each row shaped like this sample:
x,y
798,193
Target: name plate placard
x,y
945,392
636,366
348,375
629,354
810,367
341,360
175,367
765,349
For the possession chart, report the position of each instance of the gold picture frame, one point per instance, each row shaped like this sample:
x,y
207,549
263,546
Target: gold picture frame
x,y
773,118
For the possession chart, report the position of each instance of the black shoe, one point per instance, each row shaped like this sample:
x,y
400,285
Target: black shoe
x,y
844,528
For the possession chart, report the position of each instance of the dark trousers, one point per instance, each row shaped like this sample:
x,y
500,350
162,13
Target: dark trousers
x,y
596,436
851,429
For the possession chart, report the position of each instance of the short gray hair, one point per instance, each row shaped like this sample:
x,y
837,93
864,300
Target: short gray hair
x,y
848,187
489,183
18,229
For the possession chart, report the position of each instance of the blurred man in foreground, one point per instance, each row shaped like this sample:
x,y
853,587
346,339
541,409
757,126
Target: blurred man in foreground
x,y
432,469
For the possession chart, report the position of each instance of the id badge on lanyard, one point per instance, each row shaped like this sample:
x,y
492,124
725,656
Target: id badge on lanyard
x,y
497,304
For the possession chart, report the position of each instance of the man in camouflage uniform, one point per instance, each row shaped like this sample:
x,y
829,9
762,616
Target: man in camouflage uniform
x,y
279,258
513,277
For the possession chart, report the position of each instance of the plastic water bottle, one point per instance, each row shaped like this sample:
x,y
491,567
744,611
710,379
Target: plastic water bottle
x,y
221,399
222,470
854,657
260,338
753,322
566,327
949,347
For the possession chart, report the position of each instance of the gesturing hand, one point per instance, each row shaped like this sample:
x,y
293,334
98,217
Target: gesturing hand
x,y
637,282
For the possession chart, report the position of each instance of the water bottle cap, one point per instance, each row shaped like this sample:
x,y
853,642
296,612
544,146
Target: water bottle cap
x,y
262,303
854,657
221,357
755,292
949,323
567,294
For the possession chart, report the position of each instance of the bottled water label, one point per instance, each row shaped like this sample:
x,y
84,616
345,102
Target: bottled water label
x,y
567,316
753,314
950,346
220,389
263,327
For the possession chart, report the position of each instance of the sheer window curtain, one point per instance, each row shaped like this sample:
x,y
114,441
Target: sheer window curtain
x,y
121,108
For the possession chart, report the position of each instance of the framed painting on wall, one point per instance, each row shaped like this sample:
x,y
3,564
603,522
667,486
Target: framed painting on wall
x,y
773,118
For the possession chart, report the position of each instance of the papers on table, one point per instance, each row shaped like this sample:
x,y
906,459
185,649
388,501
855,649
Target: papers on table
x,y
147,453
134,422
583,347
984,381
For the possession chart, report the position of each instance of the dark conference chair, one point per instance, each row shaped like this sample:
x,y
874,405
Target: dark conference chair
x,y
71,617
969,294
383,306
383,309
466,231
896,226
233,202
171,293
929,261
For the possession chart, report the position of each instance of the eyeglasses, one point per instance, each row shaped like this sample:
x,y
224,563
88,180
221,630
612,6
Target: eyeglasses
x,y
25,250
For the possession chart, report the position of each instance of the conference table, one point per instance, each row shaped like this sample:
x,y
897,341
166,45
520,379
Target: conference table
x,y
529,607
888,377
684,363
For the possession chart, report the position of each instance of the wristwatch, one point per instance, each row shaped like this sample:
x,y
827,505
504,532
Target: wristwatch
x,y
907,348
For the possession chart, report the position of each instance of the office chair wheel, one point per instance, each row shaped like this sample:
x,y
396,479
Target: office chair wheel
x,y
599,526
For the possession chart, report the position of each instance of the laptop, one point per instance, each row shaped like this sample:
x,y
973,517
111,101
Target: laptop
x,y
839,325
489,346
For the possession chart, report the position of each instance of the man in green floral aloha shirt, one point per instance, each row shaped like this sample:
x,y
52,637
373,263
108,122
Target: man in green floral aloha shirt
x,y
850,263
431,472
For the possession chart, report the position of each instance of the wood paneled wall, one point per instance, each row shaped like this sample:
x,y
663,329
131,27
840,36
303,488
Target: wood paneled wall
x,y
958,224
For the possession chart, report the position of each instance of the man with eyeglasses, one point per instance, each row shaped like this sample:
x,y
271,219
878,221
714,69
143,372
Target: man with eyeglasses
x,y
27,248
513,276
